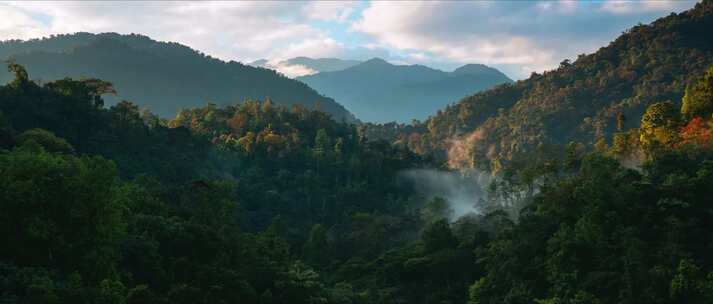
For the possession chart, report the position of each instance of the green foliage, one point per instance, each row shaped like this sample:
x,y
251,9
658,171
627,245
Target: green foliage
x,y
112,291
438,236
301,286
316,248
659,125
698,100
21,77
47,140
606,235
436,209
65,211
172,212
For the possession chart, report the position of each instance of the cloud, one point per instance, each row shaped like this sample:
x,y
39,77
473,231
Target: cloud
x,y
290,70
228,30
18,25
518,36
637,7
339,11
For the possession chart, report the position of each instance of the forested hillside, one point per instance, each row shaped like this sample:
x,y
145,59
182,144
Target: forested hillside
x,y
108,205
259,203
161,76
582,100
378,91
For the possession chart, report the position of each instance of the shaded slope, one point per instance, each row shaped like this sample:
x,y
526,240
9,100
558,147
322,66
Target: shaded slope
x,y
162,76
378,91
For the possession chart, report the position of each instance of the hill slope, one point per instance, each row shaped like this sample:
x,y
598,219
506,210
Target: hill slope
x,y
580,100
163,76
378,91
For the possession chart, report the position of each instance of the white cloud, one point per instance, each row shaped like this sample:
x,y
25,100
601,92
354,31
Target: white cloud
x,y
18,25
290,70
228,30
636,7
339,11
448,30
519,36
562,6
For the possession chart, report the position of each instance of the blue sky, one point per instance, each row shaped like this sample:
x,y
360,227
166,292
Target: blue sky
x,y
518,37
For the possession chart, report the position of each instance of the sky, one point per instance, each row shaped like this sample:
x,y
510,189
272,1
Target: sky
x,y
517,37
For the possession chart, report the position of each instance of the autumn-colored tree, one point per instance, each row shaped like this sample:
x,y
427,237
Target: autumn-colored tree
x,y
698,100
698,132
659,126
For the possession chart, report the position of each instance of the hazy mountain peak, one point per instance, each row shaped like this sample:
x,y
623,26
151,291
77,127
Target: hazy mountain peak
x,y
376,61
473,68
378,91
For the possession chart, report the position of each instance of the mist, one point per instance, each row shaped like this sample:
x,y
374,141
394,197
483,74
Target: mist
x,y
466,193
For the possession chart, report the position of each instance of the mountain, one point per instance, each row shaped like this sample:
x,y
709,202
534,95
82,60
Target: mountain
x,y
378,91
301,66
580,101
163,76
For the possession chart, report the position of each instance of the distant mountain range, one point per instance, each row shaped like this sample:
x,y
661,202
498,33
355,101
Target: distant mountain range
x,y
166,77
378,91
308,65
163,76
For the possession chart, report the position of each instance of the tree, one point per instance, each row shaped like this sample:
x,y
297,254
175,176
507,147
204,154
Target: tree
x,y
600,145
47,140
436,209
620,122
301,286
63,210
437,236
112,291
698,100
6,138
126,115
21,77
247,142
697,133
659,126
322,142
689,285
316,249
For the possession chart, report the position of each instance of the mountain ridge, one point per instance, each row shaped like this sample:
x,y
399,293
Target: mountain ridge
x,y
180,76
379,91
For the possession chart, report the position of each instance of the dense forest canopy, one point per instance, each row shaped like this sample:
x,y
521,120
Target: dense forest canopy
x,y
260,203
134,198
161,76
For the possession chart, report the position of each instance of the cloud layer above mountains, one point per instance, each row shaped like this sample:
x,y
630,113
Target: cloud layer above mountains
x,y
518,37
